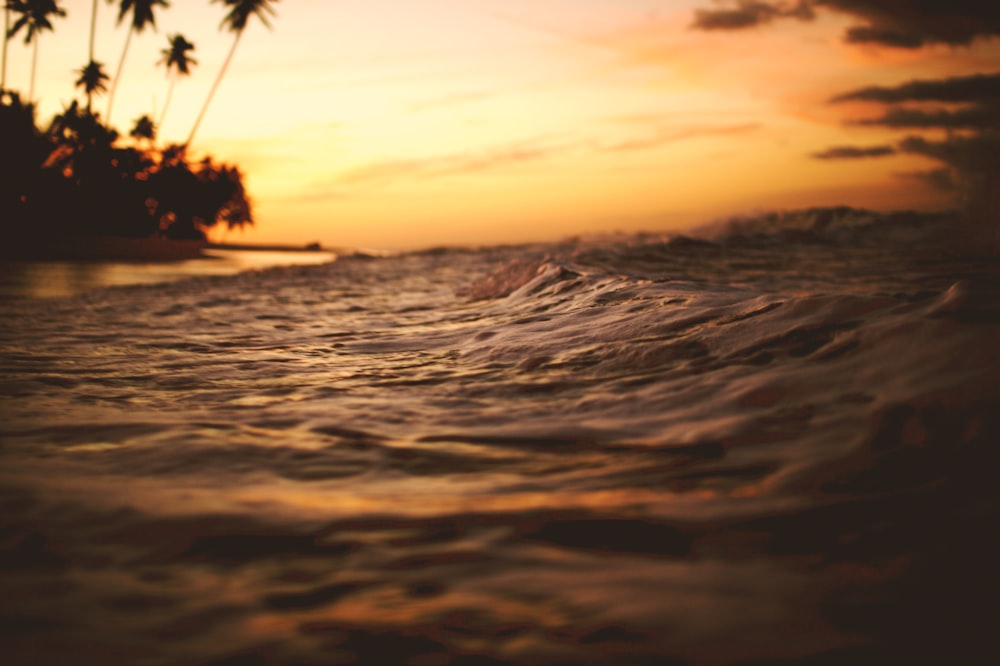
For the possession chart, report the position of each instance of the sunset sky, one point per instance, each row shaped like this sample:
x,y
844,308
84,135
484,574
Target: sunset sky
x,y
396,124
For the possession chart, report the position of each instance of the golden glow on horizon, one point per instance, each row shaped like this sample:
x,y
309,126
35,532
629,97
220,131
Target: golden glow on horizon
x,y
436,121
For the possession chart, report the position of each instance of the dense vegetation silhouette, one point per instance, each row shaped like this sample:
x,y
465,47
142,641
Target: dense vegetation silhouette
x,y
78,176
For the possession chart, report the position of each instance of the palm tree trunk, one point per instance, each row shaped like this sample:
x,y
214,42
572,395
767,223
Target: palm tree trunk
x,y
93,30
166,103
215,85
114,81
6,39
34,67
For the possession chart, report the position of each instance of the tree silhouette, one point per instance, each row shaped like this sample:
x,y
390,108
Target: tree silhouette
x,y
144,129
92,78
236,20
75,179
6,40
24,151
34,18
178,62
93,30
142,15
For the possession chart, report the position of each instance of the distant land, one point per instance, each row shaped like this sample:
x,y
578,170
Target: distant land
x,y
133,250
270,247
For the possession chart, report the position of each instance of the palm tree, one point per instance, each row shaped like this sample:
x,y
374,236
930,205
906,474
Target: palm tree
x,y
6,39
143,129
237,18
142,15
178,62
93,30
73,129
92,78
34,18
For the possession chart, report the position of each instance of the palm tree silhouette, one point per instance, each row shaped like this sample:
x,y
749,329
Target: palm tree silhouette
x,y
6,39
34,18
144,129
237,18
93,30
92,78
142,15
178,62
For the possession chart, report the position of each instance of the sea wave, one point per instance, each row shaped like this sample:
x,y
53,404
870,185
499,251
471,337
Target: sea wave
x,y
643,449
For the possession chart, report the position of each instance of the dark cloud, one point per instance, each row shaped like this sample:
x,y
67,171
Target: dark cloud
x,y
971,166
974,103
940,179
749,13
970,154
967,108
976,117
978,100
744,15
866,34
973,153
972,163
854,152
915,23
974,88
893,23
977,153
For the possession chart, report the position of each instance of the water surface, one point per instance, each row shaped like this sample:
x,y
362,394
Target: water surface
x,y
48,279
775,446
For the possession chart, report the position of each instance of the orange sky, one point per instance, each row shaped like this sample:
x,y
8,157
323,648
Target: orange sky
x,y
391,124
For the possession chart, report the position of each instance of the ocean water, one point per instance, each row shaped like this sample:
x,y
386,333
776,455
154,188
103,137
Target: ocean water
x,y
50,279
775,443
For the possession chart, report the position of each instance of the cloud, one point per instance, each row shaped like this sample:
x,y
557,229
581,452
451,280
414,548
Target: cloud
x,y
977,117
868,34
940,179
972,166
744,15
388,172
975,154
890,23
916,23
854,152
974,113
669,135
750,13
974,102
970,155
966,107
974,88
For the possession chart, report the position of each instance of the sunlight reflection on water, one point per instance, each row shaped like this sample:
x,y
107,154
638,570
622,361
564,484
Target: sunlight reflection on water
x,y
54,279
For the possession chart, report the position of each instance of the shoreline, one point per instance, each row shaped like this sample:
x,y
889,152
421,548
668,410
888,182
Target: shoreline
x,y
103,248
132,250
72,274
271,247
